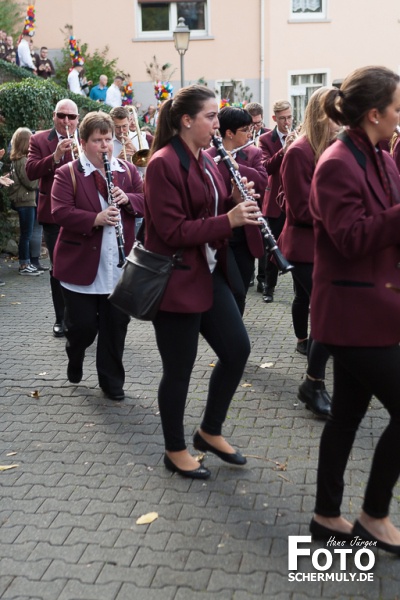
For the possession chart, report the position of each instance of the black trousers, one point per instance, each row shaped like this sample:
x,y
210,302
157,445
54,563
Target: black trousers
x,y
271,270
240,268
50,234
317,353
177,336
360,373
87,315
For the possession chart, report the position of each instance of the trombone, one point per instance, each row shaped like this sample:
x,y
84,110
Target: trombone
x,y
141,157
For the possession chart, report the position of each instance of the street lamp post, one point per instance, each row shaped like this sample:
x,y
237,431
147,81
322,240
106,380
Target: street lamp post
x,y
181,39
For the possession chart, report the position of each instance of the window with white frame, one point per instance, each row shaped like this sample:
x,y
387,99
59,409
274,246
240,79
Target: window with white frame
x,y
159,19
302,85
308,9
227,89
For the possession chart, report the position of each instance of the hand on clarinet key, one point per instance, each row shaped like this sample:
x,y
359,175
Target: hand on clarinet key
x,y
108,216
244,213
249,187
119,196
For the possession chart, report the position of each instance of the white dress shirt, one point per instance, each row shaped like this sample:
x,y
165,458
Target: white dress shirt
x,y
24,55
74,84
108,273
113,96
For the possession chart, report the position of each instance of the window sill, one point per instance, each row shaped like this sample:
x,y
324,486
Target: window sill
x,y
305,20
170,38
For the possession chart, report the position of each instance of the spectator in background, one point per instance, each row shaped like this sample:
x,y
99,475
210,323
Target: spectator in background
x,y
74,84
23,197
45,68
3,44
149,116
24,52
113,95
99,91
11,51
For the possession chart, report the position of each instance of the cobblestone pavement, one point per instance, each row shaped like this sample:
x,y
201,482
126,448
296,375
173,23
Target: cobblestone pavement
x,y
87,468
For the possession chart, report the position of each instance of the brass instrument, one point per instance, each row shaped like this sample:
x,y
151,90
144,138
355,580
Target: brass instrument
x,y
235,150
75,147
141,157
124,149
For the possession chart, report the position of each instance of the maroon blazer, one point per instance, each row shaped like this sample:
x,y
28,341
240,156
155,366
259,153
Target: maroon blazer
x,y
77,251
396,153
179,215
357,249
272,155
250,166
40,165
296,241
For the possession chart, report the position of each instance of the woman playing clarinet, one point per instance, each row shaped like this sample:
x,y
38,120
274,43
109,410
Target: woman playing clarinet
x,y
93,217
188,210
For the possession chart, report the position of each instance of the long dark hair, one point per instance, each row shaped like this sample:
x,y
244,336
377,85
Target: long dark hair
x,y
362,90
188,101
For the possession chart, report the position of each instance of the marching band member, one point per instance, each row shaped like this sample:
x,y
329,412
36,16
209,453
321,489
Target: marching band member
x,y
86,252
355,203
187,209
273,146
297,241
246,243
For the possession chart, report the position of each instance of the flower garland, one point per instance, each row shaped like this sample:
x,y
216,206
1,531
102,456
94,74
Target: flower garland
x,y
163,90
127,93
75,53
226,102
29,25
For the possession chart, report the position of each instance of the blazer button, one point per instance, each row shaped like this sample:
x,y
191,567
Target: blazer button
x,y
94,248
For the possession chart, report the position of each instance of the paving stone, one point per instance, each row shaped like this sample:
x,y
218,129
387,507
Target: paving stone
x,y
88,468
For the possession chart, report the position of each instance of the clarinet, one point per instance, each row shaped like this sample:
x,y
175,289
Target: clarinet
x,y
270,243
118,226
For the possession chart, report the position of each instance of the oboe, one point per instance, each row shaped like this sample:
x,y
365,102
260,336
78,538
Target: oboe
x,y
118,226
270,243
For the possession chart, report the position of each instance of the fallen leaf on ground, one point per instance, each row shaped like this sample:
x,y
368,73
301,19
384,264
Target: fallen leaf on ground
x,y
211,365
35,394
11,453
15,303
246,385
44,373
7,467
145,519
266,365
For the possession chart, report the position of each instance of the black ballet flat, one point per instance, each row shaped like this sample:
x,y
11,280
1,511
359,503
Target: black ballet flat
x,y
200,443
359,530
320,532
199,473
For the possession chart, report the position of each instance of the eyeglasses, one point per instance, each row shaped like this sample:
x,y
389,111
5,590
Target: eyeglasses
x,y
69,117
289,118
257,124
244,130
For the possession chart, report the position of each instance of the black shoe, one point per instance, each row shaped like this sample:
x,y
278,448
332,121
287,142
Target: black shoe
x,y
315,397
301,347
199,473
251,284
359,530
74,373
116,396
39,267
58,329
261,287
268,295
234,459
320,532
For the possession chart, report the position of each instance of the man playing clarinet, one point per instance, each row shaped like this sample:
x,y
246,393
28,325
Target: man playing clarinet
x,y
90,212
